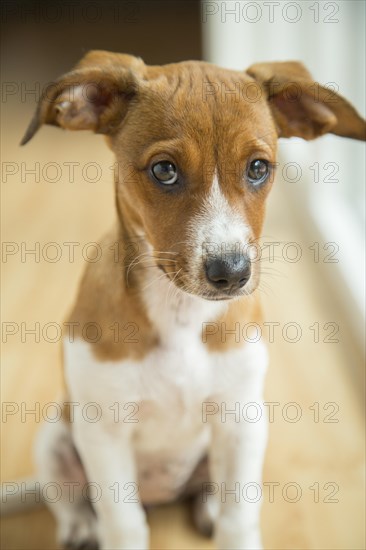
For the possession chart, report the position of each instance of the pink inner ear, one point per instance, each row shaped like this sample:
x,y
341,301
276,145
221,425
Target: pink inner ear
x,y
80,107
74,110
301,115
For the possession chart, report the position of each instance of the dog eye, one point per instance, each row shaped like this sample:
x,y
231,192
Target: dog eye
x,y
258,172
165,172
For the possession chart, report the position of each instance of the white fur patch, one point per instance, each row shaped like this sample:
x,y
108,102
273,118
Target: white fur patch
x,y
177,315
219,225
216,230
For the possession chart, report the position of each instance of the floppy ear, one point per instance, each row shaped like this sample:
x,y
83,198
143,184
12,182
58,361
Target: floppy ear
x,y
95,96
302,107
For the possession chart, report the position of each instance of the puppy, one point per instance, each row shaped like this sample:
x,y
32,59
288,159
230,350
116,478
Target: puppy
x,y
145,371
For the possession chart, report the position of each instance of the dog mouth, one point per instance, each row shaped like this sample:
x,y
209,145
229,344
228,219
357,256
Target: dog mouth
x,y
201,290
220,297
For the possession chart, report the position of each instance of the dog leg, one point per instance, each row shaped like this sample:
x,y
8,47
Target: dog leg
x,y
236,456
63,483
205,513
110,463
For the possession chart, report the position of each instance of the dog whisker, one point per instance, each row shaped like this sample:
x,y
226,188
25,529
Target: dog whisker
x,y
145,257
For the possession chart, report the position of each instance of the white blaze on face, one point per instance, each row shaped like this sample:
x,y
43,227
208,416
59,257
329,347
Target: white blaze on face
x,y
218,228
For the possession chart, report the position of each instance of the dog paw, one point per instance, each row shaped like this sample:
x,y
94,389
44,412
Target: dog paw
x,y
204,515
79,532
81,545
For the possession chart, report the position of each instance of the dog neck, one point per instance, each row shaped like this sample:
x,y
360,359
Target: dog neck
x,y
174,313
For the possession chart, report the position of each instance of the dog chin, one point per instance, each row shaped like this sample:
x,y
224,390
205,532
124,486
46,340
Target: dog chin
x,y
212,296
223,297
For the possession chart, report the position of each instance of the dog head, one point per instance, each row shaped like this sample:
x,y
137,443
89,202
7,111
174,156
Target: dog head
x,y
196,148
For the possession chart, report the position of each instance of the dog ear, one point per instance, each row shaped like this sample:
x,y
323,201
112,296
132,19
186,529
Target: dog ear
x,y
301,107
94,96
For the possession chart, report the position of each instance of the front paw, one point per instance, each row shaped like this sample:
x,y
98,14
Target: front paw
x,y
125,539
78,531
231,536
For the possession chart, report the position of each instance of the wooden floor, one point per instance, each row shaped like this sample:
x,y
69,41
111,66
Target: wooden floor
x,y
320,454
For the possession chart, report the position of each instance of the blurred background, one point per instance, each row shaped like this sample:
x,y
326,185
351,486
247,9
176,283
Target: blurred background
x,y
314,292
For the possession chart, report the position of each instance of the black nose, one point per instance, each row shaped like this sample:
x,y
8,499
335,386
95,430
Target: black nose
x,y
229,272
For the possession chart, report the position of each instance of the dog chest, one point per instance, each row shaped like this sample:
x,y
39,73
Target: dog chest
x,y
168,387
161,401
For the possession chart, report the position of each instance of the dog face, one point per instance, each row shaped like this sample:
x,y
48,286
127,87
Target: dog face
x,y
195,169
196,149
